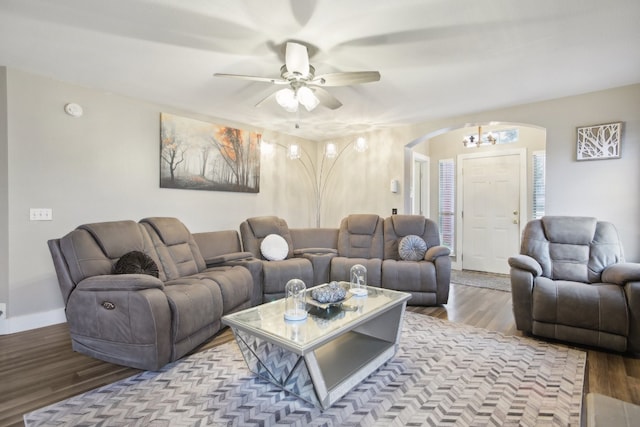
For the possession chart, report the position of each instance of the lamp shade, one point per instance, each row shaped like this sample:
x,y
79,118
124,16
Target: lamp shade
x,y
307,98
361,144
294,152
330,150
287,99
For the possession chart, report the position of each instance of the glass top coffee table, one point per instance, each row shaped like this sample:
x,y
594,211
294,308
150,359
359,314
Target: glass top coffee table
x,y
321,358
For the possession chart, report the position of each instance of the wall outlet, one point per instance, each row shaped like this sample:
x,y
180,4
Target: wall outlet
x,y
3,310
394,211
41,214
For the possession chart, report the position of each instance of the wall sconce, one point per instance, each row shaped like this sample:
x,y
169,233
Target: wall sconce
x,y
395,186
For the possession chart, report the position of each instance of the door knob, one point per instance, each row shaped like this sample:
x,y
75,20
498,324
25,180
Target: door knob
x,y
515,221
515,212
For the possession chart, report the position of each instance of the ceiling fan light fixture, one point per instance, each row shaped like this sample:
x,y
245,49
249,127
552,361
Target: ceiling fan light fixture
x,y
286,98
307,98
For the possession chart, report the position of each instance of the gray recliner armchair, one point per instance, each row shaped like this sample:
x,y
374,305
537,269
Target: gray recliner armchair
x,y
570,283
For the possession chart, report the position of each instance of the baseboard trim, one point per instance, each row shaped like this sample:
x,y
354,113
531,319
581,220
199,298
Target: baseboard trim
x,y
12,325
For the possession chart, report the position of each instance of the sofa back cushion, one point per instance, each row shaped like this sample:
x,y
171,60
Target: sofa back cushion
x,y
93,249
360,236
303,238
572,248
216,243
177,249
254,230
397,227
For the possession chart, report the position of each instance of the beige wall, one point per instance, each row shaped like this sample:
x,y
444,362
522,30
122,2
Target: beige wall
x,y
606,189
104,166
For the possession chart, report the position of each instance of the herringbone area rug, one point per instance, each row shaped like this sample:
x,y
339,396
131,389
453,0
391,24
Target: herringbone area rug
x,y
444,374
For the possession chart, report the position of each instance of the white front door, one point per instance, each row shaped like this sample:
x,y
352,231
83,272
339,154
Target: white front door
x,y
490,212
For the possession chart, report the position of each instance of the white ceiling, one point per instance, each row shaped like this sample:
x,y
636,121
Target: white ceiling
x,y
437,58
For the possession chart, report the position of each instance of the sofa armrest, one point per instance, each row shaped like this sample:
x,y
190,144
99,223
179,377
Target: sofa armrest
x,y
225,258
314,251
622,273
120,282
526,263
632,292
321,264
436,251
524,270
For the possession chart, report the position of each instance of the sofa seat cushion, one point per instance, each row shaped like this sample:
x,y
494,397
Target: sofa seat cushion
x,y
276,274
236,286
409,276
196,306
341,269
596,306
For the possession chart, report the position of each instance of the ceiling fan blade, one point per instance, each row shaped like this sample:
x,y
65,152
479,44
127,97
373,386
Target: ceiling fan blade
x,y
267,98
326,99
346,79
297,58
272,80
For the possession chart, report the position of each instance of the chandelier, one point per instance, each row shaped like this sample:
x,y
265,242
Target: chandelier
x,y
470,141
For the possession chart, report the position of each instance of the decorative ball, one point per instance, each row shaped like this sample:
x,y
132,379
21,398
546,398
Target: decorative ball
x,y
333,292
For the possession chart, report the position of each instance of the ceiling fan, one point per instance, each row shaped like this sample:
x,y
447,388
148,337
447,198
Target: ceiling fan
x,y
303,86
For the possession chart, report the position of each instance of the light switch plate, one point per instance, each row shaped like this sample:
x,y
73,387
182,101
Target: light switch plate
x,y
41,214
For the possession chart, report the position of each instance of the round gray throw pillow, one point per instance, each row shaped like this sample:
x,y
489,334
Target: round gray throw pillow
x,y
136,262
412,248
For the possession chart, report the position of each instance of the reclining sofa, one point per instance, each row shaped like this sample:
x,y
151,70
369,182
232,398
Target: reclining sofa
x,y
570,283
146,293
159,306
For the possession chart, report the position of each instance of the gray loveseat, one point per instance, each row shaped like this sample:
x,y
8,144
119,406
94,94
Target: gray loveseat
x,y
570,283
137,319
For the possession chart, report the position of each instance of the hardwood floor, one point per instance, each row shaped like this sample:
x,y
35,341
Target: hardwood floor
x,y
38,367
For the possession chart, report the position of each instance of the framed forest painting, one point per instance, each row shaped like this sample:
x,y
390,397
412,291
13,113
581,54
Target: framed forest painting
x,y
598,141
197,155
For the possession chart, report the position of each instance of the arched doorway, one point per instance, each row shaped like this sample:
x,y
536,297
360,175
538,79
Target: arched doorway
x,y
492,186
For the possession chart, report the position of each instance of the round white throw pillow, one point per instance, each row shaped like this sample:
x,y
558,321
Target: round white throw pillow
x,y
274,247
412,248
